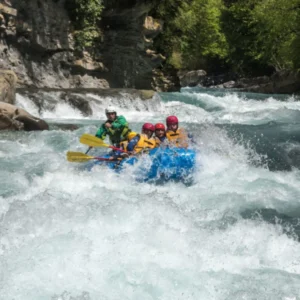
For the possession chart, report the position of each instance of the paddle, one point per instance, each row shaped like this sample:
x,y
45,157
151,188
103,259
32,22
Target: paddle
x,y
81,157
93,141
88,150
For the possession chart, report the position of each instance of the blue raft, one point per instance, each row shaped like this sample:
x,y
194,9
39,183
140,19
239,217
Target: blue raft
x,y
159,165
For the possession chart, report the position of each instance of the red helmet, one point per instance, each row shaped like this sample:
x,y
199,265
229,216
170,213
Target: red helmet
x,y
172,120
160,126
148,126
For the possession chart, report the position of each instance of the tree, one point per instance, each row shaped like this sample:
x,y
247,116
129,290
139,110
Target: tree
x,y
85,14
192,33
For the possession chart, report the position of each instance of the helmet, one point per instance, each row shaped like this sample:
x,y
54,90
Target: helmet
x,y
172,120
160,126
131,135
110,109
148,126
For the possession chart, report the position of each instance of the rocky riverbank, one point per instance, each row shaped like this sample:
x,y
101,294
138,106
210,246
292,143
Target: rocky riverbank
x,y
11,116
283,82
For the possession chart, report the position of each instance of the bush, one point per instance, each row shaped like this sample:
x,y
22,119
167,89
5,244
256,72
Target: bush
x,y
192,33
85,15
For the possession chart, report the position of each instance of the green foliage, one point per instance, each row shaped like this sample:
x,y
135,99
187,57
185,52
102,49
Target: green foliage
x,y
192,33
85,14
202,39
262,34
175,60
241,31
281,20
249,36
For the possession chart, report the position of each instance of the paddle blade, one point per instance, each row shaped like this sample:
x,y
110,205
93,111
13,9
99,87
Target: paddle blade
x,y
78,157
92,141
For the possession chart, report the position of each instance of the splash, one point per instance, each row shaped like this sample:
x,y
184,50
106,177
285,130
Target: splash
x,y
75,235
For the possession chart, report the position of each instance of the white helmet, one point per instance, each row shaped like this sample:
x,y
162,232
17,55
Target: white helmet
x,y
110,109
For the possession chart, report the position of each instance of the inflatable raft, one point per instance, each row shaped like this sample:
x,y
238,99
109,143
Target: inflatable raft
x,y
159,165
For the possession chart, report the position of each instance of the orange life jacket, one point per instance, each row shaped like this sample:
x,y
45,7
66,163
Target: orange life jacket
x,y
144,143
124,145
177,138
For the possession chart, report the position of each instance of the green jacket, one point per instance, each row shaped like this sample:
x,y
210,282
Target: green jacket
x,y
117,132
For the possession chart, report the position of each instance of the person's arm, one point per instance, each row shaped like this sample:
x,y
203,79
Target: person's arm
x,y
132,143
101,133
119,123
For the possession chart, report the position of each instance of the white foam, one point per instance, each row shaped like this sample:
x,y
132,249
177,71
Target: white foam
x,y
70,234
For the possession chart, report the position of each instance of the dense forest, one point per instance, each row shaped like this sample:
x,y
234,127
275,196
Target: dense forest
x,y
249,37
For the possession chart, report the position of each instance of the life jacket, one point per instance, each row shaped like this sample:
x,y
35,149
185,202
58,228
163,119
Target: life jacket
x,y
144,143
124,145
118,135
177,138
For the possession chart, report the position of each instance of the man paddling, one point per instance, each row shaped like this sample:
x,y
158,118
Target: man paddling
x,y
116,127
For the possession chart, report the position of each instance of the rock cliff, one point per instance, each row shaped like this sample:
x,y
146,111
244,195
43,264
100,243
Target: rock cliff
x,y
36,42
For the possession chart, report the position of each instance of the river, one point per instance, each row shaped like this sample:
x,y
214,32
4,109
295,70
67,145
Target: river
x,y
70,234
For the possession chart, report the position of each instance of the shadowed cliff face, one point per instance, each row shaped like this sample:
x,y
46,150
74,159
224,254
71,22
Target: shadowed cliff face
x,y
38,46
127,48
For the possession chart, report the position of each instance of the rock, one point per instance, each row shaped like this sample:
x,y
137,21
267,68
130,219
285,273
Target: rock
x,y
229,84
8,80
152,27
286,82
147,94
14,118
7,123
32,123
166,83
79,102
42,51
191,78
246,82
283,82
7,9
87,81
127,49
88,63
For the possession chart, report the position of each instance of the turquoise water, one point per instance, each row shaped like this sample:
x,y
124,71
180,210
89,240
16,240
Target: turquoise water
x,y
69,234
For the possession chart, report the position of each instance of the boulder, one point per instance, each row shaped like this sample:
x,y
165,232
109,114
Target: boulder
x,y
152,27
14,118
8,81
7,123
79,102
191,78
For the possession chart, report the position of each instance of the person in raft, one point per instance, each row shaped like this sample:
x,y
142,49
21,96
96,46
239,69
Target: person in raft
x,y
136,143
177,137
160,134
142,142
116,127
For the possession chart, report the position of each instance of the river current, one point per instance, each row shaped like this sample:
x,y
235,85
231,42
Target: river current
x,y
70,234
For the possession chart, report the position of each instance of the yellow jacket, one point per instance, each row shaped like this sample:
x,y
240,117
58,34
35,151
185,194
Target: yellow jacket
x,y
178,138
144,143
